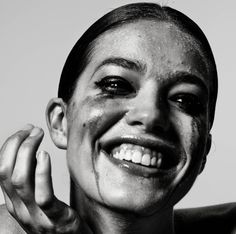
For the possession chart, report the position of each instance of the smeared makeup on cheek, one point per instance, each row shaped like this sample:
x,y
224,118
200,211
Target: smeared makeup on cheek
x,y
101,114
193,143
197,142
200,129
194,135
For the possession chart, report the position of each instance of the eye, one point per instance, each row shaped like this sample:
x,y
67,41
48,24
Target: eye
x,y
190,103
115,85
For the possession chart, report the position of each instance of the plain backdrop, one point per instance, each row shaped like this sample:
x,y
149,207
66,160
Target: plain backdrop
x,y
35,39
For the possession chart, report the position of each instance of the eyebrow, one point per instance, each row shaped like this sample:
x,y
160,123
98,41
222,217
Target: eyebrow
x,y
133,65
185,77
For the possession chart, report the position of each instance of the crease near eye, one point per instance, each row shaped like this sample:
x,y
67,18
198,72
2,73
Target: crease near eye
x,y
115,85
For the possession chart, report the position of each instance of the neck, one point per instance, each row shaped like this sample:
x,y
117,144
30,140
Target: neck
x,y
102,219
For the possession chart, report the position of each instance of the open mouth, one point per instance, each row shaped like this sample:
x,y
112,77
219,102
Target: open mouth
x,y
143,156
146,155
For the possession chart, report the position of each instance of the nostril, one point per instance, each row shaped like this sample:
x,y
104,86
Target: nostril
x,y
150,120
136,123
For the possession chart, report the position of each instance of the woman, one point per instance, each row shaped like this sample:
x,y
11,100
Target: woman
x,y
135,107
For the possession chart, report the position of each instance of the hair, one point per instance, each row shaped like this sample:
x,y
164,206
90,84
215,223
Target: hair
x,y
79,56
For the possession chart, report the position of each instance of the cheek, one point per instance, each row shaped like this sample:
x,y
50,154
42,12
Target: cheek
x,y
99,116
198,138
193,135
90,120
192,140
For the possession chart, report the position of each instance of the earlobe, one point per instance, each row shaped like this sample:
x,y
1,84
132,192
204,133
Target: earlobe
x,y
208,147
57,122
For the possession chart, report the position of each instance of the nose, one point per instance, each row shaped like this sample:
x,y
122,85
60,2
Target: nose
x,y
148,110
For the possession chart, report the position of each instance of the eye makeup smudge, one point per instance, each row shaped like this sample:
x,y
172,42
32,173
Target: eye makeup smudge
x,y
96,172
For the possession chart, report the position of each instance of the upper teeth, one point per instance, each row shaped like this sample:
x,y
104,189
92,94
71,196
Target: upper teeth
x,y
138,154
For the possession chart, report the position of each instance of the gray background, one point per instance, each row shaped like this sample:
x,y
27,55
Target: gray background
x,y
36,37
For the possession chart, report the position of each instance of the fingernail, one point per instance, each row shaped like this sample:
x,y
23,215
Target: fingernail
x,y
27,127
35,131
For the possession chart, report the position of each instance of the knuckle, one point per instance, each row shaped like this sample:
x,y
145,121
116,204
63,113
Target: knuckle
x,y
71,214
11,142
18,181
26,146
44,202
15,139
45,227
40,173
4,172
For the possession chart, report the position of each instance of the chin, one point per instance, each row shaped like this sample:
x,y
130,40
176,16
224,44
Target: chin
x,y
143,198
126,191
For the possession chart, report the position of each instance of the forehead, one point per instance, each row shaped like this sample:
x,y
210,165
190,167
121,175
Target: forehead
x,y
161,46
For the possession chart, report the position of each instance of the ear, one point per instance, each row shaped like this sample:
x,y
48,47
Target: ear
x,y
57,122
208,147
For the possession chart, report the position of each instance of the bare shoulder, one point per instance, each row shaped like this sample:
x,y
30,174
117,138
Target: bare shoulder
x,y
215,219
8,224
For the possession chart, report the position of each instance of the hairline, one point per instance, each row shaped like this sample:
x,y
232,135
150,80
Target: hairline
x,y
108,22
196,42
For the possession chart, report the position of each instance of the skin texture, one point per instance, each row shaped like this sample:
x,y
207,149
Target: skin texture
x,y
161,96
27,187
155,107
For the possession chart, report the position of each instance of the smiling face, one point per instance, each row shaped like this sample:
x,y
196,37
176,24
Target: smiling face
x,y
138,119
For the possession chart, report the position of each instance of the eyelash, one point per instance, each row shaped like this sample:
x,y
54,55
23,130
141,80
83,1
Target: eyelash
x,y
118,86
189,103
115,85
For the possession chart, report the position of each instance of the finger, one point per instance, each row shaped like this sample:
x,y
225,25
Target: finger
x,y
8,203
44,194
16,208
9,150
24,170
8,154
61,215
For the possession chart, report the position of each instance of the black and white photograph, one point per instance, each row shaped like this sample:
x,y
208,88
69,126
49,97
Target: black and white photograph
x,y
117,117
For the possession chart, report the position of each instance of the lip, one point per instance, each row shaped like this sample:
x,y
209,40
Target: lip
x,y
172,155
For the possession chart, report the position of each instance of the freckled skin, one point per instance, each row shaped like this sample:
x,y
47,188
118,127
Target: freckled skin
x,y
96,117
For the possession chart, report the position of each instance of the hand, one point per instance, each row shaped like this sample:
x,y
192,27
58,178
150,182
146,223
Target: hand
x,y
27,186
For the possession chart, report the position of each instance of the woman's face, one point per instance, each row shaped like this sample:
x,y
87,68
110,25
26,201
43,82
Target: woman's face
x,y
138,120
